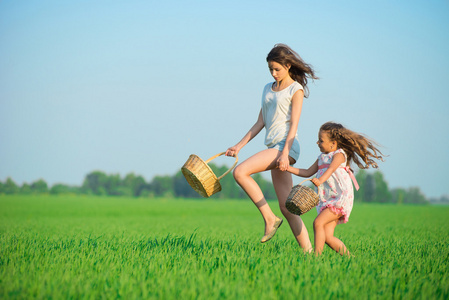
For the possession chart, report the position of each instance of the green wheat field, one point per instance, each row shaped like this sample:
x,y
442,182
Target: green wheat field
x,y
75,247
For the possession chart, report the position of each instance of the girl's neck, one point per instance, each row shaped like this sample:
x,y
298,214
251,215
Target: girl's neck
x,y
282,84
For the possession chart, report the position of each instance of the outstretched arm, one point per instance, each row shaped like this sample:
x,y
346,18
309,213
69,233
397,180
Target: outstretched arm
x,y
337,160
304,172
257,127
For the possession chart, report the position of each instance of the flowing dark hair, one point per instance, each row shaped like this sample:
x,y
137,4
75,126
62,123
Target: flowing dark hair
x,y
358,147
299,70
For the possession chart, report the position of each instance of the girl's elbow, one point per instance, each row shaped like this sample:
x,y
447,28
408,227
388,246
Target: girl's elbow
x,y
311,172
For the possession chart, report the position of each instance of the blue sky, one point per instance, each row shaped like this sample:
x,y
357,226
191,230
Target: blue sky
x,y
138,86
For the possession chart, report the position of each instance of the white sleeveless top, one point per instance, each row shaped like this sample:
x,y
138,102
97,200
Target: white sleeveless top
x,y
276,111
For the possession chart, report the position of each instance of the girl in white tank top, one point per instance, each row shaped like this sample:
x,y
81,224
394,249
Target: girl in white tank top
x,y
279,115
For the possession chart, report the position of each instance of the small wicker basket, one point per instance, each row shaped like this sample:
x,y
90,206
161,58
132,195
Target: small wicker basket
x,y
201,177
301,199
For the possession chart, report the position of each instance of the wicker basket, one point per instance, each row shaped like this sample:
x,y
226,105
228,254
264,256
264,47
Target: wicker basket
x,y
201,177
301,199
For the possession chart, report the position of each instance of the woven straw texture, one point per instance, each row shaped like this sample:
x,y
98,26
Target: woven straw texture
x,y
301,199
201,177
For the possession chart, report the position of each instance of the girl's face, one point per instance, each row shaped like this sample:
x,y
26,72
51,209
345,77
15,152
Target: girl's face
x,y
278,71
324,142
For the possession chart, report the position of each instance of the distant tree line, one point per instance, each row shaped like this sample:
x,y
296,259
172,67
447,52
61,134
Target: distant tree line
x,y
373,188
101,184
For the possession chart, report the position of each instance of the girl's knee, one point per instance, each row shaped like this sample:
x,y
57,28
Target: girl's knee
x,y
317,224
238,173
284,211
314,224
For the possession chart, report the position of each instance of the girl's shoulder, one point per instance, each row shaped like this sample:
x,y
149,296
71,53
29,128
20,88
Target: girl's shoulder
x,y
339,151
268,85
267,88
296,86
342,152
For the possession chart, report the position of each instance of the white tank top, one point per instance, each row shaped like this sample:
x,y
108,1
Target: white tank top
x,y
276,111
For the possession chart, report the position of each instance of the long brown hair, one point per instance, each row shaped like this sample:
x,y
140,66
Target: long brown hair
x,y
299,70
358,147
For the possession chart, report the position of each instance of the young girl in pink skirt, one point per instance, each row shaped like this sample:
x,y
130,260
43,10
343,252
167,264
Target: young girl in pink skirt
x,y
339,146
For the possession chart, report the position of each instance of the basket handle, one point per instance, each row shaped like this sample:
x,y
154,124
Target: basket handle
x,y
308,179
226,173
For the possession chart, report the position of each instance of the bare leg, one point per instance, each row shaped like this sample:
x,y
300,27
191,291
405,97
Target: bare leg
x,y
259,162
283,183
323,227
333,242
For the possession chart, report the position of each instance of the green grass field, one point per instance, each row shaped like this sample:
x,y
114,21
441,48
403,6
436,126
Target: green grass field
x,y
108,248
